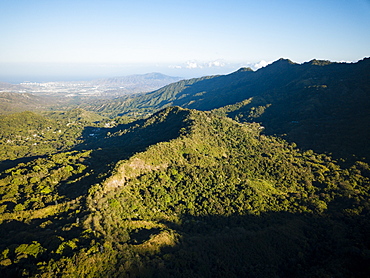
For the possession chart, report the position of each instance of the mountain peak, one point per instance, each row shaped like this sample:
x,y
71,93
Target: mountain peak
x,y
316,62
283,61
243,69
157,75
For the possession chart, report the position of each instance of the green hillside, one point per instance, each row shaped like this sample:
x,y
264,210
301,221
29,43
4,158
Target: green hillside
x,y
27,134
144,104
184,193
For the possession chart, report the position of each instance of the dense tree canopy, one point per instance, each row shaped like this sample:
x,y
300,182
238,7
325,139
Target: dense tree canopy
x,y
184,193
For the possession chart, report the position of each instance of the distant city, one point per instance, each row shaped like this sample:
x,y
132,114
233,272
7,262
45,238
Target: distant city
x,y
69,89
102,88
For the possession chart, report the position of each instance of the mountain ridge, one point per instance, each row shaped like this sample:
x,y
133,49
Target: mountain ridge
x,y
237,84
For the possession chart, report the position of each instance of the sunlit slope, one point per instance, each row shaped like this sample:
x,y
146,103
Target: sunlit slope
x,y
29,134
173,194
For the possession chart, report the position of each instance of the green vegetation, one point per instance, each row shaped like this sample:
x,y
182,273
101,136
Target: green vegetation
x,y
157,190
29,134
196,194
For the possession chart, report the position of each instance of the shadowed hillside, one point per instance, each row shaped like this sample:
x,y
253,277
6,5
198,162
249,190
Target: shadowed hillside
x,y
325,110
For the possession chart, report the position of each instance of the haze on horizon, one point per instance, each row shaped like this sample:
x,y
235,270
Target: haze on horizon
x,y
74,40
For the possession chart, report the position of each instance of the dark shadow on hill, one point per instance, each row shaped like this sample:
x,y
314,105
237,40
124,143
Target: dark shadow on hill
x,y
7,164
346,140
50,232
332,120
270,245
273,244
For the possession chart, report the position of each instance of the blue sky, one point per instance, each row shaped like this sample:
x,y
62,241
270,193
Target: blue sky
x,y
64,39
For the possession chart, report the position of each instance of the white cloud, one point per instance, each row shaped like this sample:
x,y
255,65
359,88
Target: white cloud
x,y
348,62
217,63
261,64
193,65
175,67
199,65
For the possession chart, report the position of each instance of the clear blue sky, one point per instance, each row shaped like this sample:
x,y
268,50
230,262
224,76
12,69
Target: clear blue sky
x,y
75,39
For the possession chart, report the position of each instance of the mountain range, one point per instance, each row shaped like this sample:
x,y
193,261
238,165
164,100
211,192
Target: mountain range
x,y
319,104
212,92
253,174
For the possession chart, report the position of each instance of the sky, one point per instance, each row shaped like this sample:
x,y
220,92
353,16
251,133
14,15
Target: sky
x,y
44,40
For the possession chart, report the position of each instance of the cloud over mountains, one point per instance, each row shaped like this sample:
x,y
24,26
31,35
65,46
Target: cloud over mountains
x,y
261,64
193,64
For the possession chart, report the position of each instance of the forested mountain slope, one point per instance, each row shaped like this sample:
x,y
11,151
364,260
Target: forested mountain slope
x,y
145,104
281,76
319,105
184,193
